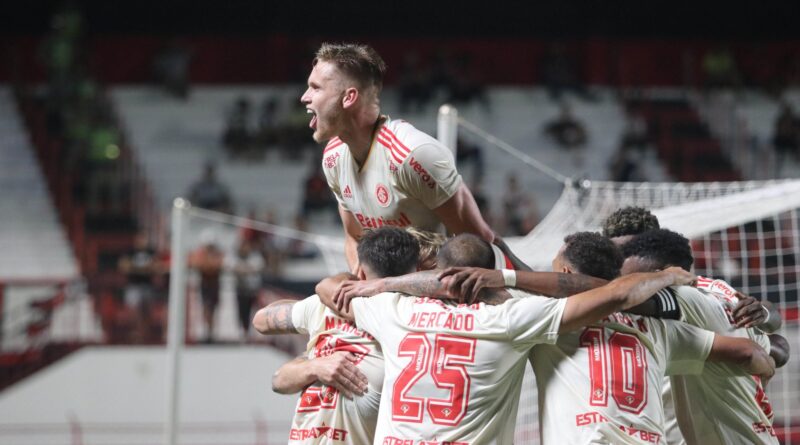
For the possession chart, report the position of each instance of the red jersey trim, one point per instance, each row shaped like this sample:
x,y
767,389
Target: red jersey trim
x,y
396,148
333,143
388,145
393,138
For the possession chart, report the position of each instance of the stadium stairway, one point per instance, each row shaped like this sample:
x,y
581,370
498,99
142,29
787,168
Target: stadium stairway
x,y
32,240
36,259
683,140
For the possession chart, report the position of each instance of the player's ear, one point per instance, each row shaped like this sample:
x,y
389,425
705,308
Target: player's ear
x,y
350,97
360,273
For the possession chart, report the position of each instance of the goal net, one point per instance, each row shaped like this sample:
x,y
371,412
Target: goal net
x,y
746,233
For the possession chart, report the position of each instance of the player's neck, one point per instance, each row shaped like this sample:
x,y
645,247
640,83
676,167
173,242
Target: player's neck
x,y
360,138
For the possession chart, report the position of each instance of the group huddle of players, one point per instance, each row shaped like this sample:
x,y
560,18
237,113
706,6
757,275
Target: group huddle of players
x,y
428,340
626,345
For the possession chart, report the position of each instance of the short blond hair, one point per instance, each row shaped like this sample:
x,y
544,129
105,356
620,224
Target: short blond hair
x,y
429,244
360,62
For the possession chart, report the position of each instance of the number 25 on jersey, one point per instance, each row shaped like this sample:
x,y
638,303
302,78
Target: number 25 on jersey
x,y
444,361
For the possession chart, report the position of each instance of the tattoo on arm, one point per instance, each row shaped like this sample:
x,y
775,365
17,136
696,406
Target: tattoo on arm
x,y
279,318
571,284
421,284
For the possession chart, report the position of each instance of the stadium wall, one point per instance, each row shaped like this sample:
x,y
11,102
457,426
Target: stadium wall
x,y
117,395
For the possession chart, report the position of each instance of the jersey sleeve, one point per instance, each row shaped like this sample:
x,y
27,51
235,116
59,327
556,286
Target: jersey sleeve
x,y
303,312
367,312
701,309
429,174
534,319
686,347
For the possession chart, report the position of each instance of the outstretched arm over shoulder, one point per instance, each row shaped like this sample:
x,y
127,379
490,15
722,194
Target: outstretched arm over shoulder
x,y
618,295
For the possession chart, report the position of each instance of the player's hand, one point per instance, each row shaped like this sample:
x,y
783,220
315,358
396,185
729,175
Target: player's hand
x,y
748,312
681,277
467,282
349,289
339,371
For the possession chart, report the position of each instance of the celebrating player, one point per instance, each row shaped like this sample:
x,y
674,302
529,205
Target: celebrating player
x,y
382,171
720,406
339,355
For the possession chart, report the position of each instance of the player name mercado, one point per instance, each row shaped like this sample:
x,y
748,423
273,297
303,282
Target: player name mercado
x,y
444,320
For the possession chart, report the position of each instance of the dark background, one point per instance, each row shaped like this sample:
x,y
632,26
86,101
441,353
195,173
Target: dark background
x,y
746,20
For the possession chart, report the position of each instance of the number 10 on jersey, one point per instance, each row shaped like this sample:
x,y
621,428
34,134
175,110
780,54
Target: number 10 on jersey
x,y
628,370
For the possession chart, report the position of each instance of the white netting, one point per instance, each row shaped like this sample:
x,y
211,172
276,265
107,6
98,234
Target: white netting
x,y
745,232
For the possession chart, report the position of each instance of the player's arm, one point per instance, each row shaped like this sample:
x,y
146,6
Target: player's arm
x,y
469,281
620,294
745,353
778,349
337,370
329,286
460,214
352,233
275,318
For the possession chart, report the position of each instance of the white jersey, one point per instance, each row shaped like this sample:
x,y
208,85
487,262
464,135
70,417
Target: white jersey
x,y
407,174
602,384
453,372
323,416
720,406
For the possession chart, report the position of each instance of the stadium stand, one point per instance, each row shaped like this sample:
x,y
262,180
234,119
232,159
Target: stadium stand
x,y
32,240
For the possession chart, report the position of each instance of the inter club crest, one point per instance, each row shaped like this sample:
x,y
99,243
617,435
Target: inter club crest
x,y
382,195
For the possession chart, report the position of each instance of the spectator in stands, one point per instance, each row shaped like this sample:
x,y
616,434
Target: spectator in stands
x,y
294,133
635,133
414,84
466,85
443,70
209,193
238,137
61,52
102,170
560,72
519,209
568,132
473,153
247,265
298,249
719,67
267,132
482,202
171,68
141,267
316,194
786,137
208,260
625,166
273,248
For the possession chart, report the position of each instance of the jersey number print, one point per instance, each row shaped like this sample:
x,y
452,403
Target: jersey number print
x,y
317,397
628,369
445,363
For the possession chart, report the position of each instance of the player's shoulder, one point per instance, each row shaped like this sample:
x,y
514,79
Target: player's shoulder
x,y
719,288
333,153
406,140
